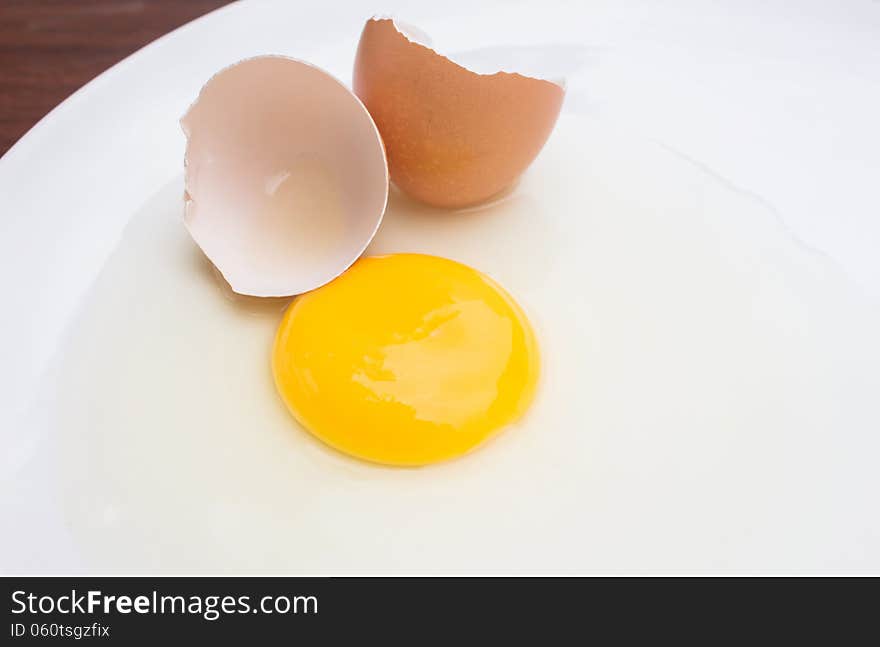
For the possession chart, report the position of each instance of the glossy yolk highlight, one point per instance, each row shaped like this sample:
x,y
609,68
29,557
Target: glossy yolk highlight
x,y
406,359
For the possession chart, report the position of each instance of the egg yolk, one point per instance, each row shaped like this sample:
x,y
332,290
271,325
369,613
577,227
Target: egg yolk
x,y
406,359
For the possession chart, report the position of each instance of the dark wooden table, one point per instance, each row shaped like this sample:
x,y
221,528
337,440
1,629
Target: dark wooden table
x,y
49,48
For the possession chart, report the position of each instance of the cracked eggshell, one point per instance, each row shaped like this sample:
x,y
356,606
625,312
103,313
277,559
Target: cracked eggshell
x,y
453,137
286,176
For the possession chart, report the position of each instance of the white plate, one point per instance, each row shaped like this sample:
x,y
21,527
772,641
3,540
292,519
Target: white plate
x,y
773,109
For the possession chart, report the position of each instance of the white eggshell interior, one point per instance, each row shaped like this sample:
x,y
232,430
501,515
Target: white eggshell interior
x,y
546,62
286,176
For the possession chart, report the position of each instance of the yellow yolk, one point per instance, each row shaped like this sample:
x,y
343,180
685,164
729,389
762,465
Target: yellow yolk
x,y
406,359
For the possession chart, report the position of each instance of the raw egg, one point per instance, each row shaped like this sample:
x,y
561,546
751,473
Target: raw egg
x,y
286,179
406,359
453,137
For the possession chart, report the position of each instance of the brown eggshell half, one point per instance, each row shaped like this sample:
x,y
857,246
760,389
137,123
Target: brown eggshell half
x,y
286,177
453,137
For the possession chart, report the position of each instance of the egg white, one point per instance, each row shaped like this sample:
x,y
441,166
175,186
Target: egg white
x,y
705,379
